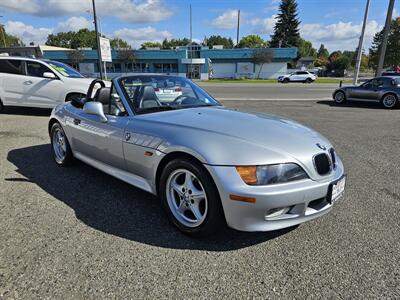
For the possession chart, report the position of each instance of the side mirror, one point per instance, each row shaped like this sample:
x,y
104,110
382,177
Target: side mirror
x,y
95,108
49,75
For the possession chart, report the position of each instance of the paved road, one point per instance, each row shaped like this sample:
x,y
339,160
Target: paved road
x,y
76,233
269,91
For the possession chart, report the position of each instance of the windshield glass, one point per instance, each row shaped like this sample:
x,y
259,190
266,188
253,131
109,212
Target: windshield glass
x,y
367,83
64,69
150,93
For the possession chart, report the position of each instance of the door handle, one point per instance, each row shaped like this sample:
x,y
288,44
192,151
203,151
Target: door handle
x,y
28,82
77,121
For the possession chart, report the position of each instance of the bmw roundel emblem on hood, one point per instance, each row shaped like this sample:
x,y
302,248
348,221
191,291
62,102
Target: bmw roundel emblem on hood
x,y
322,147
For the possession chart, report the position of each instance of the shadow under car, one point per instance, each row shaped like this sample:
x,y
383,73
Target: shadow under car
x,y
114,207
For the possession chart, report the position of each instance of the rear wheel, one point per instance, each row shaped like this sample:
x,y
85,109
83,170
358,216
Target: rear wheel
x,y
190,198
389,101
339,97
61,149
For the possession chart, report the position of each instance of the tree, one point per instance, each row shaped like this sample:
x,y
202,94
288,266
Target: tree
x,y
218,40
321,62
286,30
76,56
261,57
71,39
61,39
338,61
173,43
8,40
118,43
392,56
147,45
83,38
306,49
322,52
252,41
352,55
126,55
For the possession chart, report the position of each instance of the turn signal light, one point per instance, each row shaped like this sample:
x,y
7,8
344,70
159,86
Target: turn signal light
x,y
243,199
248,174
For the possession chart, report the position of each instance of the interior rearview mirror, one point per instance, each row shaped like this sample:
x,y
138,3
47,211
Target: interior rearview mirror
x,y
49,75
95,108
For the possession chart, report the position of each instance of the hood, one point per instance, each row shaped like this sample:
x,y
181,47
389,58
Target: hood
x,y
244,135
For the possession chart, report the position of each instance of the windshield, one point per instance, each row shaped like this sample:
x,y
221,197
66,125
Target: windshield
x,y
150,93
64,69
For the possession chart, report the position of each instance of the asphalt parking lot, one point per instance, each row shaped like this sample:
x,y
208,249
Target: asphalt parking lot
x,y
271,91
76,233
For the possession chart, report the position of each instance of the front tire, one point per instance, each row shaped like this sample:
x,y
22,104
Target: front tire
x,y
339,97
309,80
285,80
1,106
389,101
59,143
190,198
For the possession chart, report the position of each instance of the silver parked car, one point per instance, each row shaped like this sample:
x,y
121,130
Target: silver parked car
x,y
385,89
207,163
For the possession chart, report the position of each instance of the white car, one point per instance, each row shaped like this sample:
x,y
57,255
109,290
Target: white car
x,y
167,89
39,83
298,76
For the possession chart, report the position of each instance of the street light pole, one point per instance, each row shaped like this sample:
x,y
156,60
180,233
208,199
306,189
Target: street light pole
x,y
360,45
237,29
385,38
97,39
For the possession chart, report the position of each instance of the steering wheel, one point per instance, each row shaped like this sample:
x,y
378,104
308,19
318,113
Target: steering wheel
x,y
181,99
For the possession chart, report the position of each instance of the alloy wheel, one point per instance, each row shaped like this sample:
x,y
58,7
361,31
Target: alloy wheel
x,y
389,101
186,198
339,97
59,145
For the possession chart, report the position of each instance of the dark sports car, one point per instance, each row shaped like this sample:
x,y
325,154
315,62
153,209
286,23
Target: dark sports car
x,y
384,89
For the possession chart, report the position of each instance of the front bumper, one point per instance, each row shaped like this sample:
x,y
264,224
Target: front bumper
x,y
304,200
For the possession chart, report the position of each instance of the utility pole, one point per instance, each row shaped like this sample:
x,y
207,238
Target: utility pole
x,y
238,26
97,39
360,45
385,38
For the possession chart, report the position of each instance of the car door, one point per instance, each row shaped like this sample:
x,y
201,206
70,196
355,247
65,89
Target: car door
x,y
11,81
302,76
360,92
97,140
294,76
40,91
375,90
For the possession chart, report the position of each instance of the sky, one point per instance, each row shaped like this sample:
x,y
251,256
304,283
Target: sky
x,y
334,23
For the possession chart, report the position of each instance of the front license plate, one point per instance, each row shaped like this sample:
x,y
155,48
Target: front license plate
x,y
337,189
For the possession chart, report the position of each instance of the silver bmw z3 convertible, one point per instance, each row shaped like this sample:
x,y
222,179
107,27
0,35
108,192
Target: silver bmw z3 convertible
x,y
209,165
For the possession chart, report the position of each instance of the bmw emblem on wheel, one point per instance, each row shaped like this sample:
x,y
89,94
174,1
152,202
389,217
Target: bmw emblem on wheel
x,y
322,147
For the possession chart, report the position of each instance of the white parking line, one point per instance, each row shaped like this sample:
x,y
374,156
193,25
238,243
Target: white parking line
x,y
275,99
329,90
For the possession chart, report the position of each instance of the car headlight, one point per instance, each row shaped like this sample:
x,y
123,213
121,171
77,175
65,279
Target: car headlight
x,y
271,174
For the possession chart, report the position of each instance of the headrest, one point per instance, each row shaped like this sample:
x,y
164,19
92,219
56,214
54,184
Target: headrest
x,y
103,95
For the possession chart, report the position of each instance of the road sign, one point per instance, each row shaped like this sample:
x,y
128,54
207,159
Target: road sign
x,y
105,50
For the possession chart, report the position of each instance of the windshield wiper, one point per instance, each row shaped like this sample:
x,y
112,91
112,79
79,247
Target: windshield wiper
x,y
154,109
